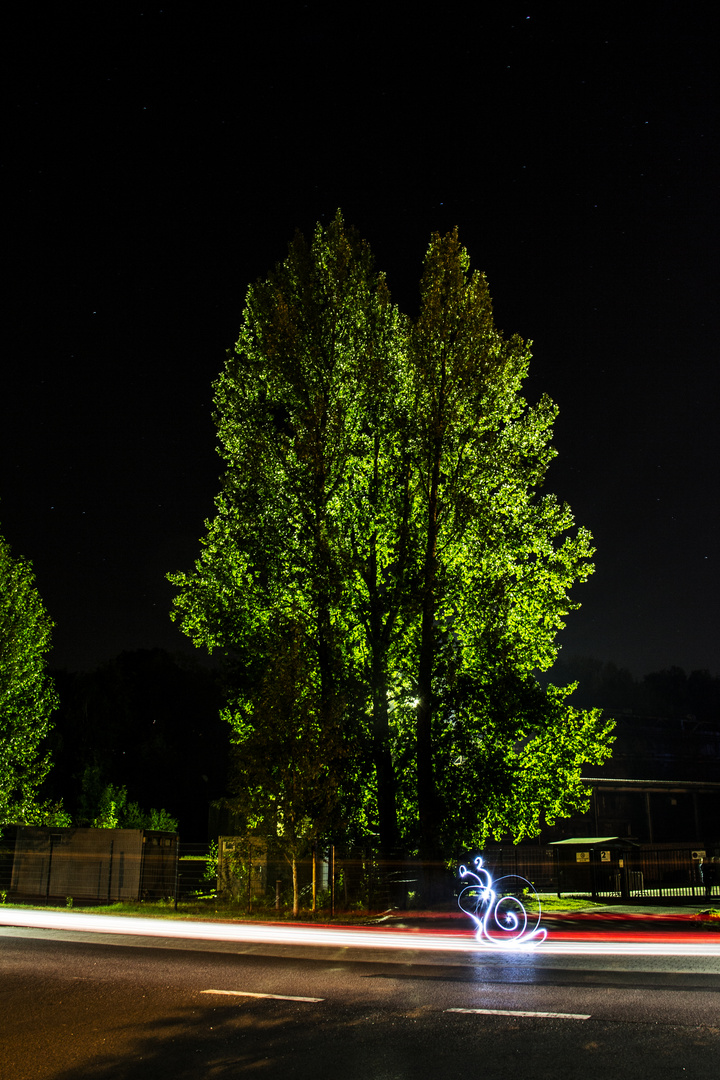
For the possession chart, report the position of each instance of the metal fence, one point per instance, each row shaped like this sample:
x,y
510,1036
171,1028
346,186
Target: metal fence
x,y
359,879
81,864
647,872
7,856
193,871
664,873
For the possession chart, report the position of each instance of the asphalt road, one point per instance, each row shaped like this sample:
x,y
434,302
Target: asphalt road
x,y
97,1006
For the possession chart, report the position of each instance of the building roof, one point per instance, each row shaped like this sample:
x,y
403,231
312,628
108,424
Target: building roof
x,y
595,841
630,782
587,840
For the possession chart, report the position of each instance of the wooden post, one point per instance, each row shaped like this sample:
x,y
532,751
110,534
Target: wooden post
x,y
332,879
249,873
314,872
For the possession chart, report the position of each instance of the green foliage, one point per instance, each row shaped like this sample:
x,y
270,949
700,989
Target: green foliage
x,y
211,862
27,694
506,767
110,805
106,806
289,424
273,566
48,814
494,752
160,821
384,574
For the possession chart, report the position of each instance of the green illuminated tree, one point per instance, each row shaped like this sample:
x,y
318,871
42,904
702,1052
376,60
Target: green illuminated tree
x,y
383,491
303,514
27,694
494,752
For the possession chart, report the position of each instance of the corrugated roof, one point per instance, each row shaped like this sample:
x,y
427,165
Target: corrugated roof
x,y
588,841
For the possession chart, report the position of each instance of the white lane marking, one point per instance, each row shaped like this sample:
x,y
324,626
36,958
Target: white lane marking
x,y
518,1012
249,993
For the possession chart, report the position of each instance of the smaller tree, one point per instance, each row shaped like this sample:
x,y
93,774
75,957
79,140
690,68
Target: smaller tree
x,y
27,694
106,806
289,749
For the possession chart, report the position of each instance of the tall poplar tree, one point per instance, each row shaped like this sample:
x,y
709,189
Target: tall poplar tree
x,y
300,411
493,751
383,496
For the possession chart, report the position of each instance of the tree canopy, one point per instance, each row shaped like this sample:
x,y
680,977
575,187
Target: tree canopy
x,y
383,495
27,694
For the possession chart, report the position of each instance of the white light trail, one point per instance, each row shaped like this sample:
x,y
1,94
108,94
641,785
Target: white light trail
x,y
338,937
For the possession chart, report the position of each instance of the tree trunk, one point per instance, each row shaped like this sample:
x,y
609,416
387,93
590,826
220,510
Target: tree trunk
x,y
381,621
382,758
427,796
296,893
427,801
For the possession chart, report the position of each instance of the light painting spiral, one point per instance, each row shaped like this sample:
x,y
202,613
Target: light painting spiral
x,y
502,921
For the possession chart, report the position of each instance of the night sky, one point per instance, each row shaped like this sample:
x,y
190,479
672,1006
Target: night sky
x,y
160,159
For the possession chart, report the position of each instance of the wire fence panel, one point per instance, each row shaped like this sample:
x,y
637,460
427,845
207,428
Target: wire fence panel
x,y
37,863
194,866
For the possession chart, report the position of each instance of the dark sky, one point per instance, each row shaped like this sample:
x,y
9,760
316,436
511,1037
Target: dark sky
x,y
160,160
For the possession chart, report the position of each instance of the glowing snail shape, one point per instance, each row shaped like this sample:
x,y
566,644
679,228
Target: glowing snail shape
x,y
505,917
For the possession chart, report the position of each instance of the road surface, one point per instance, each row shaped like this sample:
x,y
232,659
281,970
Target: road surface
x,y
99,1005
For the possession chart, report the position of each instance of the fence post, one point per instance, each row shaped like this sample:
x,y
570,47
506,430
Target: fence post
x,y
332,879
314,876
177,869
110,870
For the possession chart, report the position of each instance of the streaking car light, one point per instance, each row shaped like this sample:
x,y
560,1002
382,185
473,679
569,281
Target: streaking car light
x,y
333,936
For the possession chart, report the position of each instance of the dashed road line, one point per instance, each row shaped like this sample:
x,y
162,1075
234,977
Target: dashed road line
x,y
519,1012
249,993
